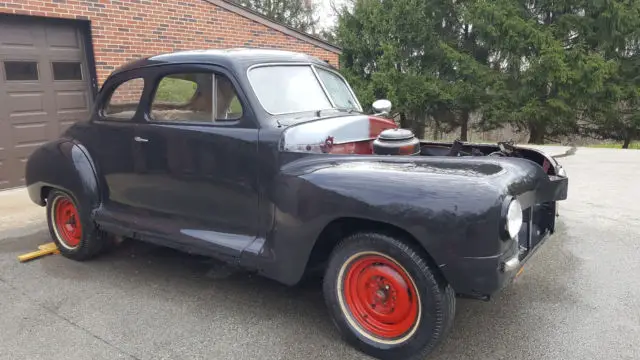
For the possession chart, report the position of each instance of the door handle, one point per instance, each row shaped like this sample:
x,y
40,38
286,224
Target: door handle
x,y
139,139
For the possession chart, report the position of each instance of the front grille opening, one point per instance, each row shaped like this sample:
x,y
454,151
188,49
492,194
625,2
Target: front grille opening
x,y
538,222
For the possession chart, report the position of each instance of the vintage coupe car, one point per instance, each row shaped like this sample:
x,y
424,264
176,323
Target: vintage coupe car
x,y
264,159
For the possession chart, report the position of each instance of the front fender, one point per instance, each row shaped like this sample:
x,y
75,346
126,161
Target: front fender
x,y
63,164
451,206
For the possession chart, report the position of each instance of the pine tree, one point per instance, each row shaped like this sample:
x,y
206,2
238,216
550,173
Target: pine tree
x,y
298,14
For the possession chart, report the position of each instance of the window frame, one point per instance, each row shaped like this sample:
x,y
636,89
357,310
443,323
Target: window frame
x,y
83,76
247,120
21,60
313,67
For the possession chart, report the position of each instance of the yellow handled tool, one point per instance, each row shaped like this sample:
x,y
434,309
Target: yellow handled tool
x,y
45,249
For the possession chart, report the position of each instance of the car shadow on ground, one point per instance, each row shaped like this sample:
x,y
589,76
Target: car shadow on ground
x,y
205,291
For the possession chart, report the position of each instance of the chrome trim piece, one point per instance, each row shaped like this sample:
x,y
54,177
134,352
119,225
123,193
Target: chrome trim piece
x,y
561,171
511,264
352,141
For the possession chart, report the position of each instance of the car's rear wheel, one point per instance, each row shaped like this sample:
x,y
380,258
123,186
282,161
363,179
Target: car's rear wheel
x,y
386,299
75,235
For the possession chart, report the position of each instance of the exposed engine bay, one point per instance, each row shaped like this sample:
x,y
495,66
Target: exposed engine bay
x,y
369,135
403,142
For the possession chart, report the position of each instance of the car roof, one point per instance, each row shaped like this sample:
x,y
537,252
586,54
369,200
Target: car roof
x,y
235,58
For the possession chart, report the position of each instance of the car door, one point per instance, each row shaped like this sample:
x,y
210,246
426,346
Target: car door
x,y
198,165
109,138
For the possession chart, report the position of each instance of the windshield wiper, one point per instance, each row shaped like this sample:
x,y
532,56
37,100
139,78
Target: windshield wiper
x,y
348,110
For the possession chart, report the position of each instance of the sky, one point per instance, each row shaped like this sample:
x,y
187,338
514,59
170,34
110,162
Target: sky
x,y
326,14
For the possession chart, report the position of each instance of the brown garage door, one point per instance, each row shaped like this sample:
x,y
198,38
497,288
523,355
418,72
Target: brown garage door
x,y
44,88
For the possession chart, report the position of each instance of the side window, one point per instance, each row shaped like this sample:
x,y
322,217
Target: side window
x,y
124,100
189,97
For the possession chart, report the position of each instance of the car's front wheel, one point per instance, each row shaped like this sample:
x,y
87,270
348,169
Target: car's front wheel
x,y
386,299
75,235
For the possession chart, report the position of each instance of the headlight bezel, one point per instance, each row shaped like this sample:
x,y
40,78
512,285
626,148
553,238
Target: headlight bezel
x,y
511,218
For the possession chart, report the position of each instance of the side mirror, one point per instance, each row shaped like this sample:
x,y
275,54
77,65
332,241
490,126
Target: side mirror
x,y
382,106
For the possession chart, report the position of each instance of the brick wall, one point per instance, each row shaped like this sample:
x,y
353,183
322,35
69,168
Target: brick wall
x,y
129,29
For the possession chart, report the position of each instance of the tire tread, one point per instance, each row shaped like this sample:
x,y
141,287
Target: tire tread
x,y
444,298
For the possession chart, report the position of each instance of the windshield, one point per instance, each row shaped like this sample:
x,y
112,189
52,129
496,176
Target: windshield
x,y
285,89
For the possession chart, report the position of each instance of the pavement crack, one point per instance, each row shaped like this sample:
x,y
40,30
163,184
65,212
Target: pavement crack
x,y
58,315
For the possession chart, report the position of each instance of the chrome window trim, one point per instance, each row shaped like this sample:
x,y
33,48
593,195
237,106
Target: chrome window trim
x,y
312,65
214,97
324,88
353,94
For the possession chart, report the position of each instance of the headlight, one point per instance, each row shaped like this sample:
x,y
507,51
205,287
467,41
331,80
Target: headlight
x,y
514,218
561,171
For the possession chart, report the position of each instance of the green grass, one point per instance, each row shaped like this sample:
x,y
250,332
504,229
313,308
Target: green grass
x,y
175,91
633,145
178,91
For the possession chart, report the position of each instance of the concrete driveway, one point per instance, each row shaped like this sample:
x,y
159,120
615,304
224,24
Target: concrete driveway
x,y
577,299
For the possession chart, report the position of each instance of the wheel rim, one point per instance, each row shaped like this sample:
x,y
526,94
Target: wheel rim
x,y
381,298
67,223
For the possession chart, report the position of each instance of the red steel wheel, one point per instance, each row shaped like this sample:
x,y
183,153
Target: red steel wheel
x,y
67,222
385,298
70,225
381,297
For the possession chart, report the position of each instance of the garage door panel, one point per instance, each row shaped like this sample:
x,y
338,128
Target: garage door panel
x,y
28,118
27,140
25,102
64,124
73,100
4,158
22,37
21,53
62,38
72,105
4,174
29,135
17,167
73,115
19,37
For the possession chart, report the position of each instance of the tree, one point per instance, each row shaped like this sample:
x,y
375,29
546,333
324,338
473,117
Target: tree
x,y
547,78
612,29
298,14
551,67
422,55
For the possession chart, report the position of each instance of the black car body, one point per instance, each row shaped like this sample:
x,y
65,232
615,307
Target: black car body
x,y
269,180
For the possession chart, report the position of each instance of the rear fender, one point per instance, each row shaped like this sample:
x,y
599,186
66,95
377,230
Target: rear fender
x,y
63,164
